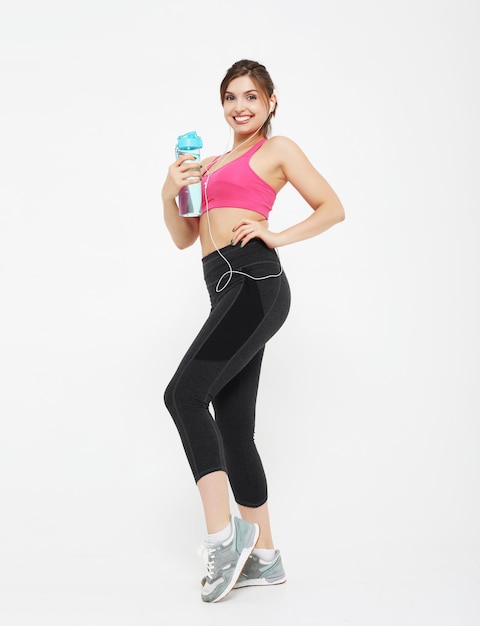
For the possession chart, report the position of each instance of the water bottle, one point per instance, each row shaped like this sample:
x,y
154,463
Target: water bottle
x,y
190,196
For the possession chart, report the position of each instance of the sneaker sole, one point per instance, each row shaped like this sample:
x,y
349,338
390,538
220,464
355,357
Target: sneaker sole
x,y
259,582
246,552
254,582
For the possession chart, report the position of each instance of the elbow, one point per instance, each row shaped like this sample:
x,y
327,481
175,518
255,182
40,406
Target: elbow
x,y
183,239
183,245
338,212
185,242
333,212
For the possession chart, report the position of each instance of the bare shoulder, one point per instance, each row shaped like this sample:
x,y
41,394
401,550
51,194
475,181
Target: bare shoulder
x,y
295,167
285,148
281,142
207,160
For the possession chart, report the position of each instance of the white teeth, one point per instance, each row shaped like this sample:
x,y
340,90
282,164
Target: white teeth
x,y
242,119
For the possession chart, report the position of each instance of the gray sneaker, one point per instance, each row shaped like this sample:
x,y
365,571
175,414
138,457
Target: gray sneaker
x,y
262,573
226,561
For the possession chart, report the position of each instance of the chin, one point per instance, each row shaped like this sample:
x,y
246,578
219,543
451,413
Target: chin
x,y
246,130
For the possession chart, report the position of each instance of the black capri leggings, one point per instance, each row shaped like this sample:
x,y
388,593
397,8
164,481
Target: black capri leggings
x,y
222,368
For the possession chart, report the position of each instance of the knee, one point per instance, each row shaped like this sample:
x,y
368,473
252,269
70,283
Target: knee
x,y
180,397
169,397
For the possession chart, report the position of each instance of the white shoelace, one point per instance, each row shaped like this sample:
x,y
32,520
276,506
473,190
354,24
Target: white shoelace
x,y
208,556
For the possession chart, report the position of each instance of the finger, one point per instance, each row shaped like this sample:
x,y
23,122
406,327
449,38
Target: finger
x,y
185,157
246,236
189,173
243,222
187,167
240,233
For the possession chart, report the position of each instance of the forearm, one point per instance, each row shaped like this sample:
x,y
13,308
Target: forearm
x,y
183,230
324,217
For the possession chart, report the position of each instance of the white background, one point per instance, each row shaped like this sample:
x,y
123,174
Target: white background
x,y
369,402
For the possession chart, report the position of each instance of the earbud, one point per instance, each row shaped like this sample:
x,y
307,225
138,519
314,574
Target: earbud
x,y
272,106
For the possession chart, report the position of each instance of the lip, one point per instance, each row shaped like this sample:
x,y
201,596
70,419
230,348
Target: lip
x,y
242,119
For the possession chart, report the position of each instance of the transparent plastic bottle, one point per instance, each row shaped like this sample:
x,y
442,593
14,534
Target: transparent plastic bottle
x,y
190,196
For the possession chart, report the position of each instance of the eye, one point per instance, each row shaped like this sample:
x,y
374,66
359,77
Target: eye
x,y
229,98
252,96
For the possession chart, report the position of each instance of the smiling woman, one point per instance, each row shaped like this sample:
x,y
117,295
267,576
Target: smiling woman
x,y
243,98
222,366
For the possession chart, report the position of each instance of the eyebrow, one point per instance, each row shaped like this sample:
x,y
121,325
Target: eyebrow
x,y
230,93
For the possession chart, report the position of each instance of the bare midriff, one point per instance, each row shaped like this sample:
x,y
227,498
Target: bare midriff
x,y
222,222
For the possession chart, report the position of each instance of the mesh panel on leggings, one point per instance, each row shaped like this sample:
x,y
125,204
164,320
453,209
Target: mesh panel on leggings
x,y
236,327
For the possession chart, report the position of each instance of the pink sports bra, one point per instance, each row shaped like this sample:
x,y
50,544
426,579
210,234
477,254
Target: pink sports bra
x,y
236,185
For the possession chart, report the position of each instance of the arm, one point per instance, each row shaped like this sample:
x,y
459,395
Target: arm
x,y
294,167
183,230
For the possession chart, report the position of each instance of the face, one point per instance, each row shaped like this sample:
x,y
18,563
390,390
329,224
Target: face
x,y
245,107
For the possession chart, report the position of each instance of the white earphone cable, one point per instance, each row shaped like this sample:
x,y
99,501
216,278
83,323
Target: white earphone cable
x,y
230,272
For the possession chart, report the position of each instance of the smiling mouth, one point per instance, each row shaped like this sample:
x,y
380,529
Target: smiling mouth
x,y
242,118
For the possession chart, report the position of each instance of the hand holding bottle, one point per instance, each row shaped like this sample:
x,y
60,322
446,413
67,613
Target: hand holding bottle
x,y
190,193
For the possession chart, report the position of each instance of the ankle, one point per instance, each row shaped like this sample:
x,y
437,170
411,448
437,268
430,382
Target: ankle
x,y
266,554
265,543
218,536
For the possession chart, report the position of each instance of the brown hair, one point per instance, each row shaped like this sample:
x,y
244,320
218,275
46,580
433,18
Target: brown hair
x,y
259,76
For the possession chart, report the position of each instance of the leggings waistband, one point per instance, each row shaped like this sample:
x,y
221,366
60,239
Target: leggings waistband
x,y
255,252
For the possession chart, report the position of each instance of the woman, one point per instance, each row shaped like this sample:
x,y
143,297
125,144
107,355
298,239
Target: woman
x,y
250,300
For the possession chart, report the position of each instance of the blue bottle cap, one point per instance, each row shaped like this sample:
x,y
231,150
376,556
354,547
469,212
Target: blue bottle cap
x,y
189,141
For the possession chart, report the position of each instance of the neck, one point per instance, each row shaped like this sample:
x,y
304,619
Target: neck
x,y
239,142
246,142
